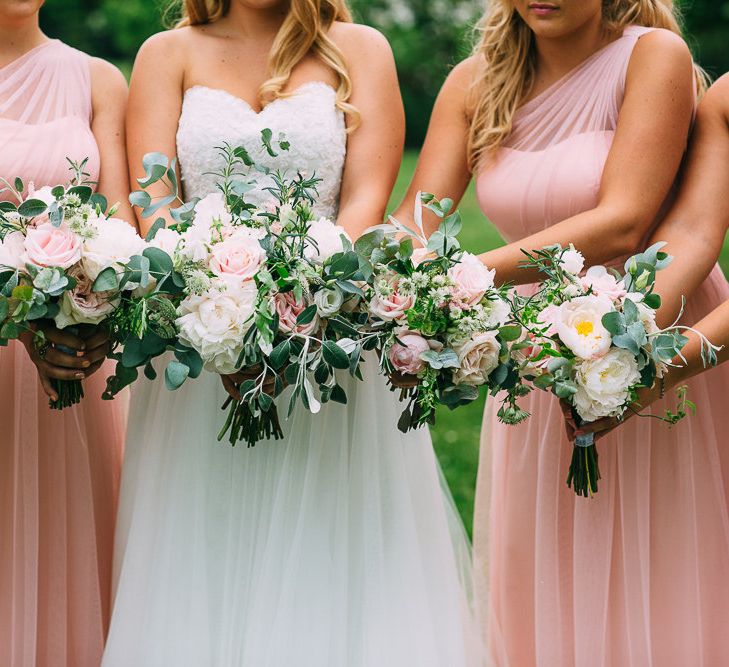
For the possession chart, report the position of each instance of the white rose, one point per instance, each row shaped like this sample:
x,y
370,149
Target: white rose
x,y
326,240
572,261
12,249
579,325
211,210
328,301
603,384
115,242
215,323
478,357
196,242
165,240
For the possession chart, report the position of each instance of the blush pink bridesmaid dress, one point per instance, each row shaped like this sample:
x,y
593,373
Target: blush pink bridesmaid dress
x,y
637,576
59,471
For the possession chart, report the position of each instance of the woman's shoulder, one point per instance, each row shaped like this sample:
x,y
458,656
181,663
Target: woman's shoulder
x,y
108,84
360,41
653,44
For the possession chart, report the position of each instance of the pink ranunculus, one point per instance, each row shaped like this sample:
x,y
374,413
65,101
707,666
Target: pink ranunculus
x,y
472,280
47,245
603,283
392,307
289,309
405,354
12,248
237,258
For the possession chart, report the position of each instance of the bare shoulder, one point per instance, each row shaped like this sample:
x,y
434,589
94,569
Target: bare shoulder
x,y
108,84
715,102
458,86
360,42
166,48
661,47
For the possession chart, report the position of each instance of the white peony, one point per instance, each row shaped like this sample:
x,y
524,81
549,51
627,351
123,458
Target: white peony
x,y
211,211
478,357
12,249
603,384
572,261
165,240
603,283
498,313
326,240
329,301
114,243
215,323
579,325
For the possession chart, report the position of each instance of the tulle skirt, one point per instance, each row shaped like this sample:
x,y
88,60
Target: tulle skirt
x,y
637,576
58,487
337,546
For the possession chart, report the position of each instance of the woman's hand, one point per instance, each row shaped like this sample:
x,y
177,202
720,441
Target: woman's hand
x,y
603,427
54,363
233,382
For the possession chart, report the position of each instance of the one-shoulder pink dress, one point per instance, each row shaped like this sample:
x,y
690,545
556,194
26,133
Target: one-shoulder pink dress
x,y
637,576
59,471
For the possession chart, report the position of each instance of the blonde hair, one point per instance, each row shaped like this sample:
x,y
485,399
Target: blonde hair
x,y
304,29
506,60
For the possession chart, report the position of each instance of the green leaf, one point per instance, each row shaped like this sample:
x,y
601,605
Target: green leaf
x,y
338,395
334,355
58,191
100,201
280,354
510,333
175,374
83,192
159,261
158,224
155,167
191,359
19,186
627,342
140,198
242,154
307,315
630,310
106,281
149,372
652,300
614,322
31,208
133,354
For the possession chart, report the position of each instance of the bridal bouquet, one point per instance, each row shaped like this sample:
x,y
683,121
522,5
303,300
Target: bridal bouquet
x,y
54,244
592,340
232,287
437,315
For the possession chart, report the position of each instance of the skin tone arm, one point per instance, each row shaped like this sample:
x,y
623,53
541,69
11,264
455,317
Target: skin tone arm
x,y
646,152
694,229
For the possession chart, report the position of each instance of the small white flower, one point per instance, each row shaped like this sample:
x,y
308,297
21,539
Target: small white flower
x,y
572,261
328,301
326,240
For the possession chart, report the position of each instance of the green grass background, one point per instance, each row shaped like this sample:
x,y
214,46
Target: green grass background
x,y
456,434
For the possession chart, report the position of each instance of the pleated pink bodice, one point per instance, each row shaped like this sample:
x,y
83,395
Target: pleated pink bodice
x,y
45,115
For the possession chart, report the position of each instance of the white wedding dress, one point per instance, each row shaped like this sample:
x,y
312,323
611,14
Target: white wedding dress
x,y
338,546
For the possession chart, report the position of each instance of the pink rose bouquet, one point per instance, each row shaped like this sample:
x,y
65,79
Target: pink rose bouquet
x,y
437,316
54,244
261,293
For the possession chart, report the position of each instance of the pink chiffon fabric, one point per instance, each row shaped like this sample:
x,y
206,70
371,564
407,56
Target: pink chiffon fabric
x,y
637,576
59,471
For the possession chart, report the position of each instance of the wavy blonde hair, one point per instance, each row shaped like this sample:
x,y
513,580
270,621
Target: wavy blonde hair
x,y
305,29
506,59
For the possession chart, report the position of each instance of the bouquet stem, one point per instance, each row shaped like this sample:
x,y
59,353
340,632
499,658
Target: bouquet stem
x,y
70,392
243,423
584,471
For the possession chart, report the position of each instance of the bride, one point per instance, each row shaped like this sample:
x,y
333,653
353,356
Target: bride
x,y
338,546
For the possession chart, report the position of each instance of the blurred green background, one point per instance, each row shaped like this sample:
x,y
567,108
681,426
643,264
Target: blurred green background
x,y
428,38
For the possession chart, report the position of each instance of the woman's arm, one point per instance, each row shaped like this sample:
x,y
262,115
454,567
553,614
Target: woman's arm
x,y
155,103
109,101
646,152
696,226
374,148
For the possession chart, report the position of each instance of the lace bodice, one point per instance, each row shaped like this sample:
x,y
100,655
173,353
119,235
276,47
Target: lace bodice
x,y
308,118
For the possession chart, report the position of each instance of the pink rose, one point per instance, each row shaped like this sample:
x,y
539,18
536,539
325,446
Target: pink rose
x,y
392,307
420,255
405,354
12,248
603,283
289,309
82,305
472,280
237,258
47,245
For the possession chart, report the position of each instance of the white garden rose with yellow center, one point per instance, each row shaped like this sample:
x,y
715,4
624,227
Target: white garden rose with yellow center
x,y
216,322
603,384
579,325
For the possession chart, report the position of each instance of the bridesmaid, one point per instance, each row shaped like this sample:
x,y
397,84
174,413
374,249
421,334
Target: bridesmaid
x,y
58,470
694,231
573,118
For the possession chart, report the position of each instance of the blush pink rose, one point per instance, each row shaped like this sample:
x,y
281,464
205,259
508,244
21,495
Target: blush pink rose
x,y
393,307
289,309
83,305
12,248
237,258
47,245
603,283
472,280
405,353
